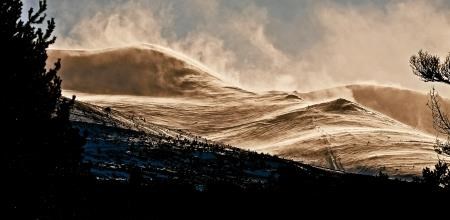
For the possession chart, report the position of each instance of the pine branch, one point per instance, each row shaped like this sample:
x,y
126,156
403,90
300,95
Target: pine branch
x,y
39,16
50,28
429,68
440,118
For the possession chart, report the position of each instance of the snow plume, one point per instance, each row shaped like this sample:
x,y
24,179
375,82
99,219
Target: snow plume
x,y
331,44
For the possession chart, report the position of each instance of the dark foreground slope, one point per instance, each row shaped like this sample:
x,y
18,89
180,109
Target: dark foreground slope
x,y
128,163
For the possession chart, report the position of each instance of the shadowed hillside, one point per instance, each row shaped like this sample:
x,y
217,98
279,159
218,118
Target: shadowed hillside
x,y
143,70
406,106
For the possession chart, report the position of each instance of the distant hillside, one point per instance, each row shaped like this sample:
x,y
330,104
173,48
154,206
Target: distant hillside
x,y
145,70
407,106
404,105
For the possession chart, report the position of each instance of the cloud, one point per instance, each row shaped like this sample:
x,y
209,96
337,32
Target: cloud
x,y
121,26
209,7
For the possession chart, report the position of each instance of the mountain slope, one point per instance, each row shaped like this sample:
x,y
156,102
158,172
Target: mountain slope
x,y
323,128
338,134
123,153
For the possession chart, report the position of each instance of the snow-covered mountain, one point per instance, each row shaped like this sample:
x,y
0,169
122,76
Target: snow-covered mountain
x,y
359,128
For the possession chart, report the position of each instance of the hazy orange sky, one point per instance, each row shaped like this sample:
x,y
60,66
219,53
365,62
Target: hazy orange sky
x,y
265,44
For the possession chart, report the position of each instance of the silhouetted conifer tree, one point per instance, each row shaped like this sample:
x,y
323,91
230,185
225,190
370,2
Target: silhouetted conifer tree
x,y
40,150
38,137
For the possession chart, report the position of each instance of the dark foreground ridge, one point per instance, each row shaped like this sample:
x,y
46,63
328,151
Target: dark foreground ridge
x,y
131,167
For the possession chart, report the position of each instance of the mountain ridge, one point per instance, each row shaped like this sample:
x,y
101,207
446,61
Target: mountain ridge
x,y
339,128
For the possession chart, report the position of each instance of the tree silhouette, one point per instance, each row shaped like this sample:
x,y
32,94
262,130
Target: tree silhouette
x,y
39,138
430,69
